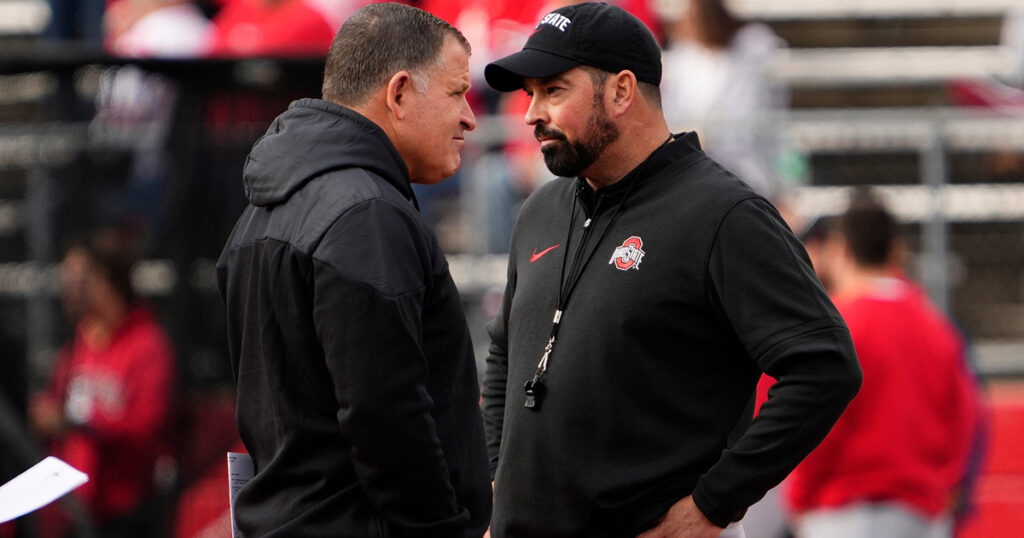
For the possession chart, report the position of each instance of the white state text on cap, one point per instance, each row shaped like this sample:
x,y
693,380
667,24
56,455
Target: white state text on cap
x,y
557,20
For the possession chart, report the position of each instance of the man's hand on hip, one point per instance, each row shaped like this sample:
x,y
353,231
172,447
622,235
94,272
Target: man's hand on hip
x,y
683,520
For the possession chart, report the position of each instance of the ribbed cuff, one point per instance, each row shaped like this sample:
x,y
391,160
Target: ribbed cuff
x,y
712,510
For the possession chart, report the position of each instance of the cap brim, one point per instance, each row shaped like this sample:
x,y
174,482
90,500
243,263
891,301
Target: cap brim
x,y
818,229
507,74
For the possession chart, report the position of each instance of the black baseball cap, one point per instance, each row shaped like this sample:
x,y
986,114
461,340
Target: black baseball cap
x,y
593,33
819,229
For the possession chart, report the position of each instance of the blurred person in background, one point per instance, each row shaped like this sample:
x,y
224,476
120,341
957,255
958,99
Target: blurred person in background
x,y
253,28
895,462
717,82
76,20
647,290
108,407
156,29
358,396
137,110
820,239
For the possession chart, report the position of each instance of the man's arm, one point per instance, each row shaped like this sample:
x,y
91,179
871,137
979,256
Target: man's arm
x,y
763,285
496,375
370,273
962,407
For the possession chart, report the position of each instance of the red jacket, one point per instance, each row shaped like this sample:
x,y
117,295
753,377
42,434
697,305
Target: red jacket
x,y
120,398
907,435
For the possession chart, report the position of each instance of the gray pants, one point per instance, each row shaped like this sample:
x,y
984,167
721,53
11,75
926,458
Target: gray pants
x,y
880,520
733,531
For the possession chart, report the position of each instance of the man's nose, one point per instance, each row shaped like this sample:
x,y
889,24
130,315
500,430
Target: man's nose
x,y
468,119
535,113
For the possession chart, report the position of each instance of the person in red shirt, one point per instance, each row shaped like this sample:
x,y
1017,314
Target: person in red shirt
x,y
108,406
894,461
255,28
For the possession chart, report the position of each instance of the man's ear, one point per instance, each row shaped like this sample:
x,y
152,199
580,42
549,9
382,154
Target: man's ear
x,y
623,91
399,88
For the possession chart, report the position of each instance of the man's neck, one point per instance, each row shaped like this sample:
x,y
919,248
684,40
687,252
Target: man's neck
x,y
860,280
624,155
101,323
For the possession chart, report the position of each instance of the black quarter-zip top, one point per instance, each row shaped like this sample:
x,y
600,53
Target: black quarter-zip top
x,y
677,305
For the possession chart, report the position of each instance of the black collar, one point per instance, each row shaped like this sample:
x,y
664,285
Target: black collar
x,y
678,147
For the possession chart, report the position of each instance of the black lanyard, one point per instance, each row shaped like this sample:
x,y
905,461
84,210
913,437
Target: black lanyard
x,y
534,387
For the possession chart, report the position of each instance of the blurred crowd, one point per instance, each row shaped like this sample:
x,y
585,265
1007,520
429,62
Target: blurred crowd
x,y
711,57
108,406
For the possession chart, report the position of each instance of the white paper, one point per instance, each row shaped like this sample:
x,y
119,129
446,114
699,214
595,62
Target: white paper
x,y
37,487
240,471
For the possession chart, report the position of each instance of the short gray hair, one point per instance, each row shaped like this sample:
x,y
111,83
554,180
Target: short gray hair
x,y
378,41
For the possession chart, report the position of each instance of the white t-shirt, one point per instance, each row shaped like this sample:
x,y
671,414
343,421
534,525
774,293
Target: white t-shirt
x,y
725,95
178,31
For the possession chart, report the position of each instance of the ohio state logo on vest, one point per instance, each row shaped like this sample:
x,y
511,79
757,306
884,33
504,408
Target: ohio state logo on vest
x,y
629,255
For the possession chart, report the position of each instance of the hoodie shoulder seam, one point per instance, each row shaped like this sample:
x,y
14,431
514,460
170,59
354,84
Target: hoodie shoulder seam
x,y
378,197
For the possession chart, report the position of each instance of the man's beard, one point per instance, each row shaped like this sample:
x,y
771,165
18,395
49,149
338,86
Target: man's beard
x,y
570,159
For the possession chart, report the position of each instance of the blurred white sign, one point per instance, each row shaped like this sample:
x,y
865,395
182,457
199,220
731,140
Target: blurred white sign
x,y
37,487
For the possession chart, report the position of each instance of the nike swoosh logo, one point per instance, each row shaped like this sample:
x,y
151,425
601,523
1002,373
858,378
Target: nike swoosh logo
x,y
537,255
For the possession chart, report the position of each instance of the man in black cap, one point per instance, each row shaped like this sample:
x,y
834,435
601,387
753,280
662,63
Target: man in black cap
x,y
648,288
